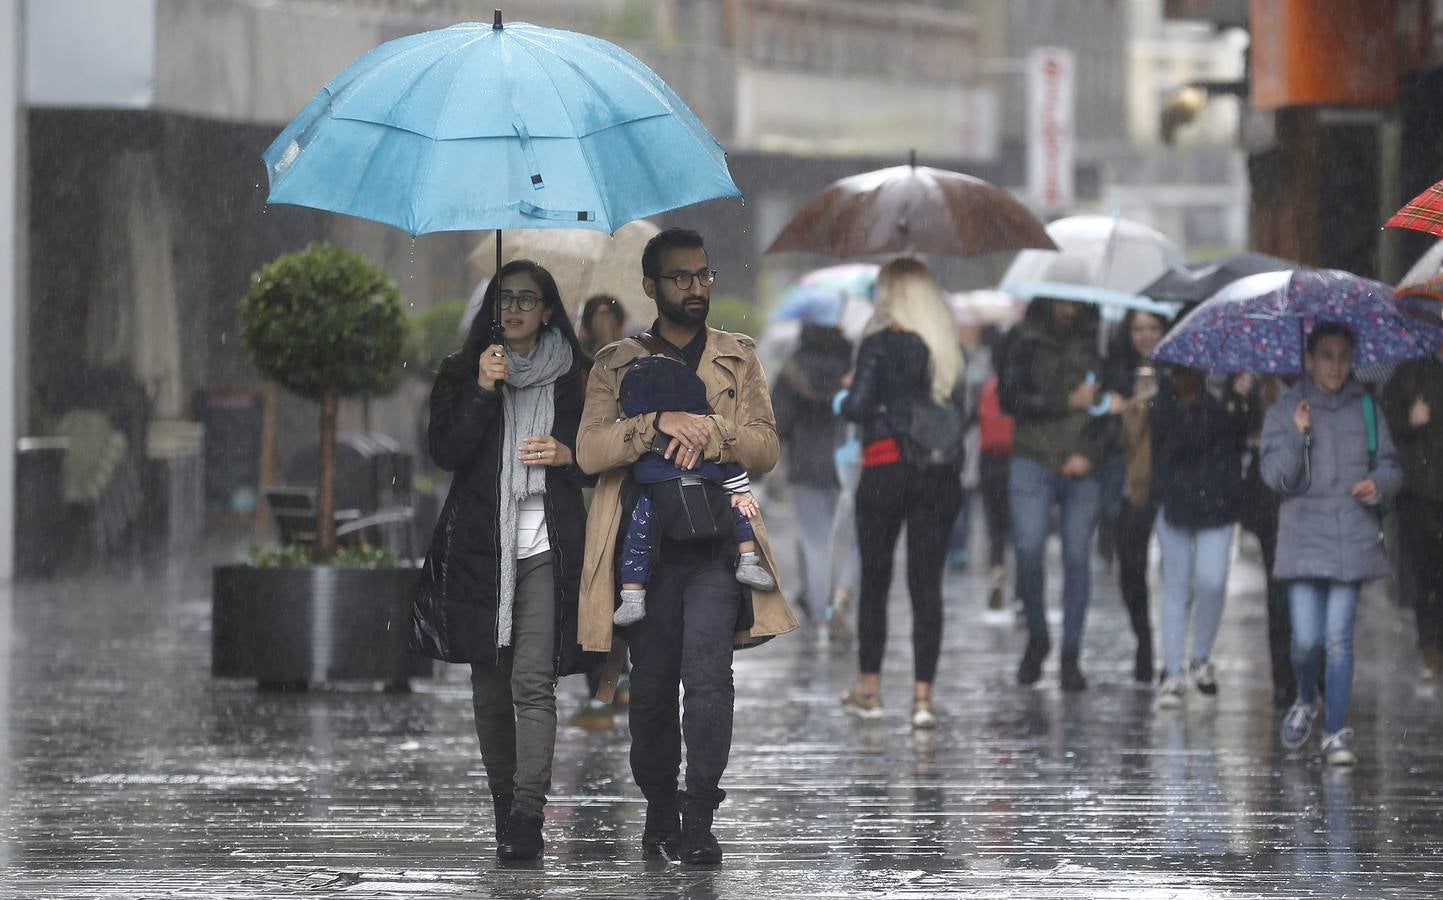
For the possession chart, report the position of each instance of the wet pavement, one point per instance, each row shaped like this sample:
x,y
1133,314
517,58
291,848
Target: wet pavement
x,y
127,771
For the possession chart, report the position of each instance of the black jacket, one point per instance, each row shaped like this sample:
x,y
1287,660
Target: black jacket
x,y
802,403
454,617
1420,450
1197,458
892,374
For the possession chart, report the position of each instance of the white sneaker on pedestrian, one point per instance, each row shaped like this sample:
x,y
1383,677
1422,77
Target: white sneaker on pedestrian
x,y
1205,678
863,706
1338,748
1297,724
923,715
1171,692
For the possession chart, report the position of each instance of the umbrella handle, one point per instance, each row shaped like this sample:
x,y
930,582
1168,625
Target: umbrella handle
x,y
1307,480
498,331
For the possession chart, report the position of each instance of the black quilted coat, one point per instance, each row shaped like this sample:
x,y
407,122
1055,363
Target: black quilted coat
x,y
454,617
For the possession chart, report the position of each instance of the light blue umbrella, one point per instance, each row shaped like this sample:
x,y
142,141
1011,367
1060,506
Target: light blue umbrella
x,y
808,303
487,127
1068,276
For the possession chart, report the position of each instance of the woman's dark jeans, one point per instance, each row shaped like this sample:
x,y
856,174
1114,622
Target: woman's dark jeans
x,y
685,641
927,501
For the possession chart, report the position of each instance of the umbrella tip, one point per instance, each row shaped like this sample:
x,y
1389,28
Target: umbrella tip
x,y
912,158
496,22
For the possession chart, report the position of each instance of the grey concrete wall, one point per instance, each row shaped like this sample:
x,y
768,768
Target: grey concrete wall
x,y
95,269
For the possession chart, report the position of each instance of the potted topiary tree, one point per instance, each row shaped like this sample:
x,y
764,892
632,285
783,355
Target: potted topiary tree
x,y
325,324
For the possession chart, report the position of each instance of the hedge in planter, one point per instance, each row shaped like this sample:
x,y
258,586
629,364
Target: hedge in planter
x,y
324,323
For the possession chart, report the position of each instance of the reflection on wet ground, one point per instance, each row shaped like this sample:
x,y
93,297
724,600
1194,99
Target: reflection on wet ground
x,y
128,772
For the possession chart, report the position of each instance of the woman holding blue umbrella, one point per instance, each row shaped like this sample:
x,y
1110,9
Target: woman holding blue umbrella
x,y
1327,450
501,579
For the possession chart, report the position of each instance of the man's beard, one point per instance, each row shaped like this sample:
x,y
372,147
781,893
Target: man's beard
x,y
678,314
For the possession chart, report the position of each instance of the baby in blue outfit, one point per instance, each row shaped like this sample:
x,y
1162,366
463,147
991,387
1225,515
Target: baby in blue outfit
x,y
656,384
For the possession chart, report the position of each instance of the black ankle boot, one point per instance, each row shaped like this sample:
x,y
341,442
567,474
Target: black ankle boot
x,y
662,834
1030,669
502,805
523,838
699,846
1072,679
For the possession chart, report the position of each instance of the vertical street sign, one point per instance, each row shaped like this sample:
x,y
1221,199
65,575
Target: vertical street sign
x,y
1051,138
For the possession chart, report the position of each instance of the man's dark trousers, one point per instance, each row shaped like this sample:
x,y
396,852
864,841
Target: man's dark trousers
x,y
685,639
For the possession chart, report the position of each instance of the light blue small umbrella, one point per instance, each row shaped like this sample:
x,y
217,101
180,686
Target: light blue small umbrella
x,y
488,127
809,303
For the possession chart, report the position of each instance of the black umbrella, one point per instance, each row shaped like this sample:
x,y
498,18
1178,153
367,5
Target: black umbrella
x,y
1194,284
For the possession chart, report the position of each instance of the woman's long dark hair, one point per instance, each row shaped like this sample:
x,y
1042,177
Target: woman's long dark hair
x,y
464,362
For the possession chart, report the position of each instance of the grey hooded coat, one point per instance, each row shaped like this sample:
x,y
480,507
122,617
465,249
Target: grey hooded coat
x,y
1323,531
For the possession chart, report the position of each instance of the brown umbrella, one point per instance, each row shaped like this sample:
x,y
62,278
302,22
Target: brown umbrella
x,y
911,209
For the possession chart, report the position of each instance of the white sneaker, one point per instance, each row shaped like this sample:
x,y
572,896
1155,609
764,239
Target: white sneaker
x,y
1338,748
923,716
1205,677
1171,692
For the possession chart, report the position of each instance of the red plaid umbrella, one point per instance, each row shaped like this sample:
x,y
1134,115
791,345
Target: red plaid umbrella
x,y
1423,213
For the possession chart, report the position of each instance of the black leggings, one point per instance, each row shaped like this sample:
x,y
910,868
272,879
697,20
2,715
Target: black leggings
x,y
927,500
1134,530
993,476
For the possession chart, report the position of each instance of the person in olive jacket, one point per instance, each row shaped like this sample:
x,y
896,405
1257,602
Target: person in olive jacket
x,y
499,586
1049,381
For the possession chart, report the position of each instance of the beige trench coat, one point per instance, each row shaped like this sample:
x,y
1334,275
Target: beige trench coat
x,y
743,431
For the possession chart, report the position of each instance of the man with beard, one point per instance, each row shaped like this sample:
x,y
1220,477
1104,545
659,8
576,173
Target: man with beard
x,y
696,610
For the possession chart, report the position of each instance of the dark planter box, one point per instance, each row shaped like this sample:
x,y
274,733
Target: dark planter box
x,y
290,627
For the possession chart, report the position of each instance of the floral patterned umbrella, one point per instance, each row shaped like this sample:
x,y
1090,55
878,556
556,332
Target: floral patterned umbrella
x,y
1259,323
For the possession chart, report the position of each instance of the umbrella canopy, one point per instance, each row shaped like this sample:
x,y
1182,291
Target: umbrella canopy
x,y
583,263
1427,267
1423,213
809,303
1422,301
856,279
1194,284
1068,276
1121,255
483,127
983,308
910,210
1259,323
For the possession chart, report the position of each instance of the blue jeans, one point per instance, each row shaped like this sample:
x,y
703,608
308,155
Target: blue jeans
x,y
815,506
1194,585
634,565
1324,610
1033,491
